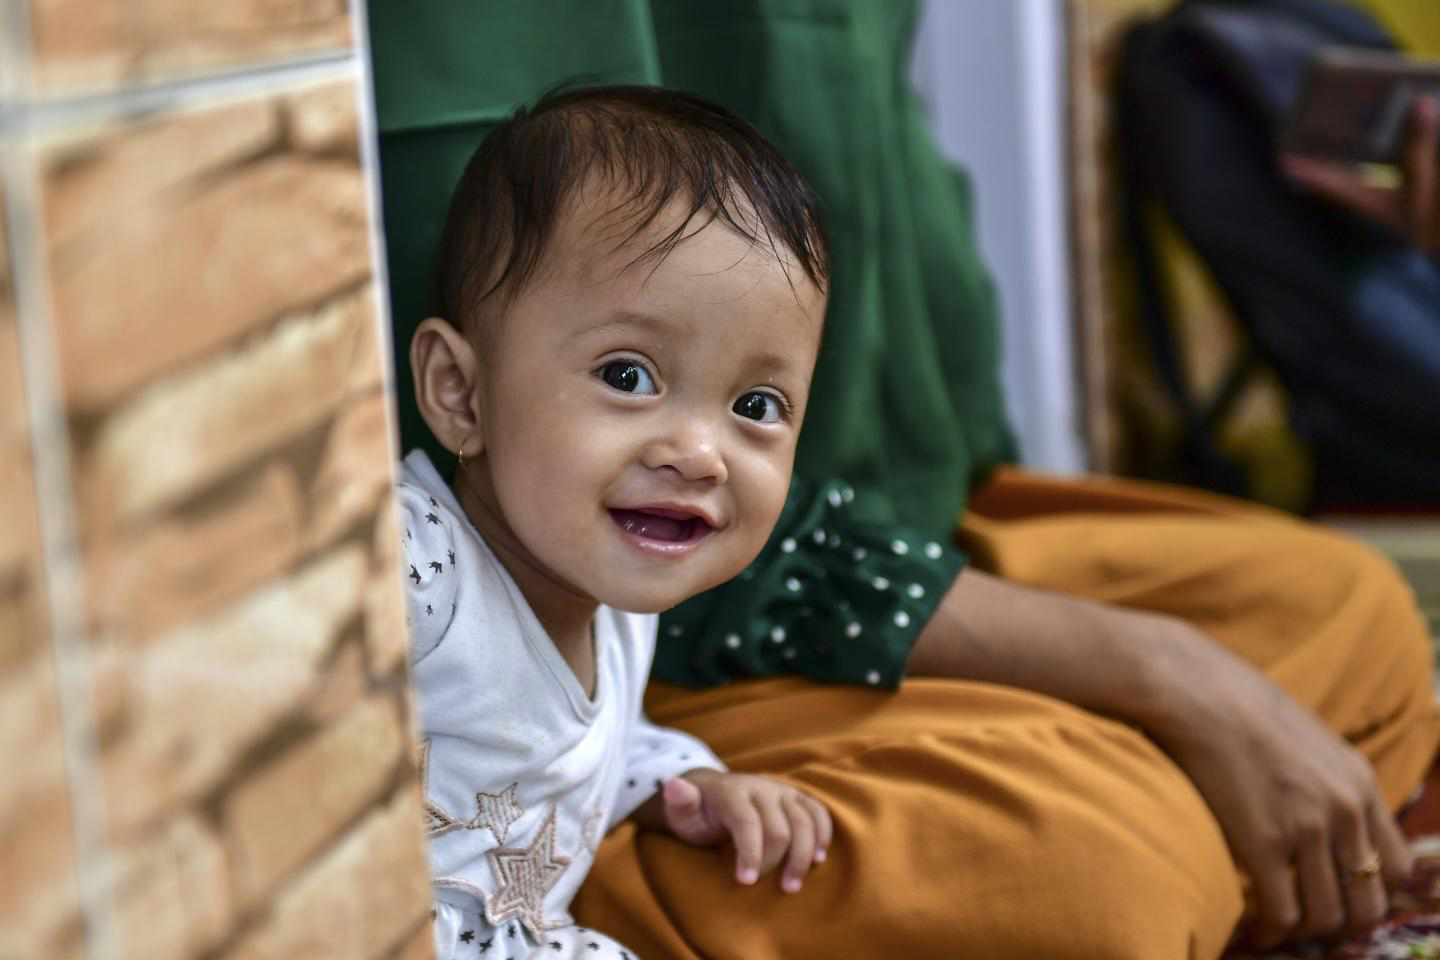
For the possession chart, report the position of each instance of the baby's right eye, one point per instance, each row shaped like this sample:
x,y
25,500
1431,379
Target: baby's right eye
x,y
627,376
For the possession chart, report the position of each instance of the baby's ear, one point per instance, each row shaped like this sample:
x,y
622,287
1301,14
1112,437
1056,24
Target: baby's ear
x,y
446,373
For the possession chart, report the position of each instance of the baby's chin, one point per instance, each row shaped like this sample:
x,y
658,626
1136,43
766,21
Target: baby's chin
x,y
654,597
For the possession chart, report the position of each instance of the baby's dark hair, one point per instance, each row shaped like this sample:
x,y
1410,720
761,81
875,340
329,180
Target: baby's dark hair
x,y
653,146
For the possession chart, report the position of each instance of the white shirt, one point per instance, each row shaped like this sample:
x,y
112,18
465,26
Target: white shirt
x,y
522,772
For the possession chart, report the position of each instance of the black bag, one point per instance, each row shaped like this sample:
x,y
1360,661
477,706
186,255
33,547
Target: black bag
x,y
1347,314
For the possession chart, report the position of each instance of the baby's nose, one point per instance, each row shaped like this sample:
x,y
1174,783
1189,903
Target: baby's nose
x,y
692,451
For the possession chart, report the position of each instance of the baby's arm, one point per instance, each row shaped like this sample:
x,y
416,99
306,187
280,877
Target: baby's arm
x,y
687,791
431,581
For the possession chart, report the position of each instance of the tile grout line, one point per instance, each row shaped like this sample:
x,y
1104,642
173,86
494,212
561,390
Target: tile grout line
x,y
60,554
14,52
21,118
384,326
370,166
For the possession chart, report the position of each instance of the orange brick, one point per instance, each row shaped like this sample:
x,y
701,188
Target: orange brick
x,y
39,899
204,266
358,900
199,695
98,179
419,946
99,45
279,817
187,566
325,119
386,635
357,467
171,893
187,432
23,619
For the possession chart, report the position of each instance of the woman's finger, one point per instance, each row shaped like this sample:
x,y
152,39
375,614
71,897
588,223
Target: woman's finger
x,y
802,843
1396,863
1279,910
1323,906
1358,870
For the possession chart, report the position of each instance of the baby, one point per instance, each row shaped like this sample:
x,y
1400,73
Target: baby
x,y
631,286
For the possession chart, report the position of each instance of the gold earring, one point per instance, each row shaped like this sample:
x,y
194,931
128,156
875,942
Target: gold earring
x,y
461,452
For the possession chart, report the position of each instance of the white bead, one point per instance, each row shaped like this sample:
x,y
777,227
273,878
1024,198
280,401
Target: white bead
x,y
793,585
733,641
675,630
859,554
852,630
834,498
834,539
778,634
787,545
873,677
902,619
847,494
900,547
789,653
880,583
819,536
933,551
915,590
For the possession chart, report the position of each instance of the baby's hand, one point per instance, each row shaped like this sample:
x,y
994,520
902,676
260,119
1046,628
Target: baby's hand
x,y
763,817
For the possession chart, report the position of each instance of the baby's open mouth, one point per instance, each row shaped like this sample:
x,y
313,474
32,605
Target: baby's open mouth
x,y
665,526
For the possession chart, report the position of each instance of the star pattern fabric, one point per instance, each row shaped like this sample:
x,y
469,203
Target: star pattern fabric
x,y
524,875
436,820
497,812
593,830
568,943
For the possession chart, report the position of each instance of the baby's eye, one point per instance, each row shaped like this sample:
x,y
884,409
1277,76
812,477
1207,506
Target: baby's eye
x,y
627,377
758,406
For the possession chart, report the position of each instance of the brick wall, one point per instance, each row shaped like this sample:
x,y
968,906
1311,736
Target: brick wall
x,y
203,701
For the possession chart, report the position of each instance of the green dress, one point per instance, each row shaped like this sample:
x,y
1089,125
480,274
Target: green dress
x,y
905,412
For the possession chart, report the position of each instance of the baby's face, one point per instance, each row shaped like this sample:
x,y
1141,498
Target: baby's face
x,y
640,425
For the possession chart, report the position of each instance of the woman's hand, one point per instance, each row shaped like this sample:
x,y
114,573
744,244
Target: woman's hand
x,y
1287,792
1298,805
1413,208
765,818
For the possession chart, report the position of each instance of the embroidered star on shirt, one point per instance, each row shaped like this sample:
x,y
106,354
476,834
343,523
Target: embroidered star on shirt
x,y
437,821
524,875
590,830
497,812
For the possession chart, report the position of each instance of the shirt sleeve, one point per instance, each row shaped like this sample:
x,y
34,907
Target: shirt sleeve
x,y
427,539
833,596
654,755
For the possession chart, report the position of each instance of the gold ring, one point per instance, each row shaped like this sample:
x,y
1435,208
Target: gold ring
x,y
1366,871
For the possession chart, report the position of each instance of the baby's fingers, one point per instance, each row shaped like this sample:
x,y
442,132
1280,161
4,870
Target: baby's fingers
x,y
802,843
748,834
824,827
776,823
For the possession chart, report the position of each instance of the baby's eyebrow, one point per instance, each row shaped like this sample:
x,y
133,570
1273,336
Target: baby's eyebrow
x,y
624,320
